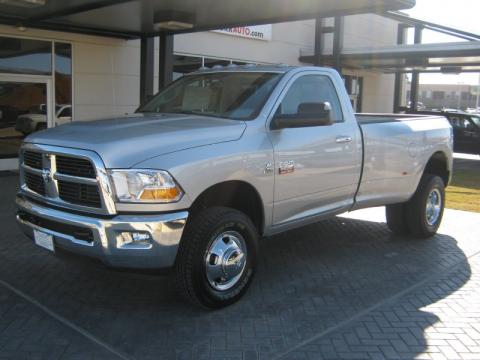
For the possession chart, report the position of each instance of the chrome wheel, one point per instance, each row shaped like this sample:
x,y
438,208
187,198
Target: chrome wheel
x,y
225,260
434,207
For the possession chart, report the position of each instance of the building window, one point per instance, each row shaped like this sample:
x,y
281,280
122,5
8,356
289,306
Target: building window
x,y
438,95
35,89
63,82
25,56
354,87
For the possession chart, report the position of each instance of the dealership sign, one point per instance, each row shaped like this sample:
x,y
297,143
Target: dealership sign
x,y
258,32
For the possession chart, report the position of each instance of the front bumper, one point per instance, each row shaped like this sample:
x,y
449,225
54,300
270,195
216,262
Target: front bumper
x,y
165,231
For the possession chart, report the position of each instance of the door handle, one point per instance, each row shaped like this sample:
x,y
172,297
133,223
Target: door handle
x,y
343,139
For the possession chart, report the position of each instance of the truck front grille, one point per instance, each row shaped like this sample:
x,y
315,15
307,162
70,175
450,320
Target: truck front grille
x,y
80,194
33,159
35,183
73,179
75,167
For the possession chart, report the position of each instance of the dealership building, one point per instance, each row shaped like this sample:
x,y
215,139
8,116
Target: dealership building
x,y
50,75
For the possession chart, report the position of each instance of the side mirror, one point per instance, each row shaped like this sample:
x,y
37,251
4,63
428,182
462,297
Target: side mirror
x,y
308,115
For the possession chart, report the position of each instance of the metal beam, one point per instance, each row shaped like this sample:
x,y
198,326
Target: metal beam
x,y
431,26
72,10
69,29
338,43
415,74
147,58
165,61
318,42
398,86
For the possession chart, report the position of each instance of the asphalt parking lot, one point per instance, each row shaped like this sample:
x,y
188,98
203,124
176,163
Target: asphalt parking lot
x,y
345,288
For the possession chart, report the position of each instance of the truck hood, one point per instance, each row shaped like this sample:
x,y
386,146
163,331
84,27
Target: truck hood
x,y
125,141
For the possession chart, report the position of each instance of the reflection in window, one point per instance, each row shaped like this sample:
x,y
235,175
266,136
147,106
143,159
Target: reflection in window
x,y
63,79
215,62
183,64
232,95
311,89
24,56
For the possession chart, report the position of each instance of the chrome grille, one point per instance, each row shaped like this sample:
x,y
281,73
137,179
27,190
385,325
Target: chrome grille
x,y
33,159
69,178
75,167
81,194
35,183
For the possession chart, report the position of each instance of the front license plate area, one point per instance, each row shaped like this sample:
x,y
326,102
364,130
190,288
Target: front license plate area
x,y
44,240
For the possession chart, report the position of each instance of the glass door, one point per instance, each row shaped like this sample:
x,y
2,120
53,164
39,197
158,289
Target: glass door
x,y
25,107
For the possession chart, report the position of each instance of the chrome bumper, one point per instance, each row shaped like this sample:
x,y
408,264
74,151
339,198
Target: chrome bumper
x,y
165,231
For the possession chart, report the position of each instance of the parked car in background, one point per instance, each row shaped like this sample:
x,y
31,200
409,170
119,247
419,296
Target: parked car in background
x,y
9,115
36,118
473,110
217,160
466,129
420,106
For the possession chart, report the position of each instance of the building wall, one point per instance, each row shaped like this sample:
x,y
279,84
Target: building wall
x,y
284,47
378,91
367,31
455,96
106,71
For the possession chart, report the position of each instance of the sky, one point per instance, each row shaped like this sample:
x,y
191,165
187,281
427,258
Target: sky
x,y
459,14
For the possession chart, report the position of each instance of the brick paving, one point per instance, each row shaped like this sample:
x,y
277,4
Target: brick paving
x,y
340,289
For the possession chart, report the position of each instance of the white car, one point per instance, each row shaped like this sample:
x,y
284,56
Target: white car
x,y
36,119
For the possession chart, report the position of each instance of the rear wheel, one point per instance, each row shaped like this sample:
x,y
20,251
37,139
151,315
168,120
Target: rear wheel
x,y
421,216
424,211
217,255
396,220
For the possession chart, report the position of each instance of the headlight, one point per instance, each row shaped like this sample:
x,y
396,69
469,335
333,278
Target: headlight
x,y
145,186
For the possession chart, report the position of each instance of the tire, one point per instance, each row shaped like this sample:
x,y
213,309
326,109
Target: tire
x,y
396,219
420,223
199,276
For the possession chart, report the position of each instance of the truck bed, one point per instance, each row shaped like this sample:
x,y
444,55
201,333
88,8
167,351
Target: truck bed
x,y
365,118
395,154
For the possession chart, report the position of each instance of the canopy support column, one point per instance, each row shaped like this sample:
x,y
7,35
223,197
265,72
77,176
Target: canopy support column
x,y
147,57
415,74
165,61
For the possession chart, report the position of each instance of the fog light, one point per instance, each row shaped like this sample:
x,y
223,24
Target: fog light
x,y
134,240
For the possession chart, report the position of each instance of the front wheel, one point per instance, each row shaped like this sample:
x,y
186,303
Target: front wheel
x,y
216,259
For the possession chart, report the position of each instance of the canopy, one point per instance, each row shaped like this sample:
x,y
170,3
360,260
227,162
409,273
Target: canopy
x,y
130,19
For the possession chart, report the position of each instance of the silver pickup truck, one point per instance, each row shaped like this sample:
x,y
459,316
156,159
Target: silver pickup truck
x,y
220,158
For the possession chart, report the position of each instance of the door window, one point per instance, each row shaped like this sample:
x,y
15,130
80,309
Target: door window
x,y
65,113
23,110
311,89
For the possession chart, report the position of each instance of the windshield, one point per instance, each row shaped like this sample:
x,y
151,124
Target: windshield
x,y
233,95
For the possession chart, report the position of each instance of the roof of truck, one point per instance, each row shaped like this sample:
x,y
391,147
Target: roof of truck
x,y
280,68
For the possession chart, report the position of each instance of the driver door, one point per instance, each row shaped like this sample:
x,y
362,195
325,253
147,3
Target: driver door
x,y
317,168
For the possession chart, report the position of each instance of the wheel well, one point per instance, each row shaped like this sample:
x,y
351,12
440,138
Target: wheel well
x,y
437,165
238,195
